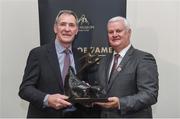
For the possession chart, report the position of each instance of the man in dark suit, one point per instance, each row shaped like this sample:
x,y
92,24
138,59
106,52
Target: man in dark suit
x,y
42,83
129,76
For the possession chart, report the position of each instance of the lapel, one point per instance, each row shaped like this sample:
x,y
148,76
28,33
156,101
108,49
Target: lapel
x,y
76,55
121,65
53,61
107,68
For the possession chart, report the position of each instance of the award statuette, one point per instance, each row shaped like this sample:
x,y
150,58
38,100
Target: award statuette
x,y
79,91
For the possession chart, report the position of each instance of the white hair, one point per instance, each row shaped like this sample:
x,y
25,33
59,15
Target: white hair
x,y
119,18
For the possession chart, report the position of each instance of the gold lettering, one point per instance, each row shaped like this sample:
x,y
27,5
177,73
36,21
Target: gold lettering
x,y
99,50
80,49
85,49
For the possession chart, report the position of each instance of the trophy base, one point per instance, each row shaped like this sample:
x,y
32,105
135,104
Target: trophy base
x,y
87,100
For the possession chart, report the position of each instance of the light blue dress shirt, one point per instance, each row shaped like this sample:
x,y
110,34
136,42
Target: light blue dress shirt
x,y
60,54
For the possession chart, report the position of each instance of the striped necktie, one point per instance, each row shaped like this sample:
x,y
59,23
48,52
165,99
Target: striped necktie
x,y
66,63
115,63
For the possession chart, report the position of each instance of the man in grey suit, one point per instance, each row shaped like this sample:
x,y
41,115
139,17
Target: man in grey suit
x,y
42,83
129,76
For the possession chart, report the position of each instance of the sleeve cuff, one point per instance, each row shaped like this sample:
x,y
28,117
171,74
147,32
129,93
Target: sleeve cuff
x,y
45,101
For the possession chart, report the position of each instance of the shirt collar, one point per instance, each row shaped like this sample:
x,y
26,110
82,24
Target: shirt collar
x,y
59,48
123,52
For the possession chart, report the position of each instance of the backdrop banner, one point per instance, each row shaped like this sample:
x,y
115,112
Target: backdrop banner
x,y
92,17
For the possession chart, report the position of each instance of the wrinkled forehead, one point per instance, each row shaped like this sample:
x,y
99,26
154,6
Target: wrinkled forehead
x,y
64,17
119,20
116,25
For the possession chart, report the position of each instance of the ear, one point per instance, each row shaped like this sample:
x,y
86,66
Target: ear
x,y
77,31
55,28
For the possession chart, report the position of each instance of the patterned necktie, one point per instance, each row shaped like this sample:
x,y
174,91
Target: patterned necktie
x,y
65,71
116,57
66,63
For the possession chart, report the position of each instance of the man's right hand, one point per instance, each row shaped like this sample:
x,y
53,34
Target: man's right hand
x,y
58,101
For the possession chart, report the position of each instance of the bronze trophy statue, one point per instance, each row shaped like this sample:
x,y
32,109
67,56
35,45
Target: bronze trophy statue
x,y
79,91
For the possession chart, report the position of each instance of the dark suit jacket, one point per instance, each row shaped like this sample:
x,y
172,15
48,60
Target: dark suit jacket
x,y
136,84
42,76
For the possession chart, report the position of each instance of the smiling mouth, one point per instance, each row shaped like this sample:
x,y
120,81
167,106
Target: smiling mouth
x,y
66,35
116,39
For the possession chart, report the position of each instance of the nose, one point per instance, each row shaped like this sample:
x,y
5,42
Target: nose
x,y
115,34
67,28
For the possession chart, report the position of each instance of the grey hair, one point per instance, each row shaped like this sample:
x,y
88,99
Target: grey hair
x,y
119,18
70,12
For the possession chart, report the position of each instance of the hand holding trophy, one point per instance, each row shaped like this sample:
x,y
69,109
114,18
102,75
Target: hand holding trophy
x,y
79,91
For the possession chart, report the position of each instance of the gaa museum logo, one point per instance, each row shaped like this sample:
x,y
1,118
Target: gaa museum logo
x,y
84,24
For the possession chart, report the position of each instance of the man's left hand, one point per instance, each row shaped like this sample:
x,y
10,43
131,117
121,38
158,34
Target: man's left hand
x,y
113,102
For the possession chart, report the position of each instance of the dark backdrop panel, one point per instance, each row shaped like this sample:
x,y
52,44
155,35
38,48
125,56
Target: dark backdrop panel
x,y
92,14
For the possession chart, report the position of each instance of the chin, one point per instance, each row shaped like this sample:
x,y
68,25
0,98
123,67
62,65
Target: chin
x,y
116,45
68,41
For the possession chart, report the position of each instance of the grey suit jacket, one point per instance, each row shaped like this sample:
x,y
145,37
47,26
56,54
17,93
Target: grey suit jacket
x,y
42,76
136,84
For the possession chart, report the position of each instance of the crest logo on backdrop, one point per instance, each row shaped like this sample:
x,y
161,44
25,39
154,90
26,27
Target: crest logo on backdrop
x,y
83,20
84,24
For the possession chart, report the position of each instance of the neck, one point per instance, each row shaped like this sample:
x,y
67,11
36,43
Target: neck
x,y
63,45
119,49
66,45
